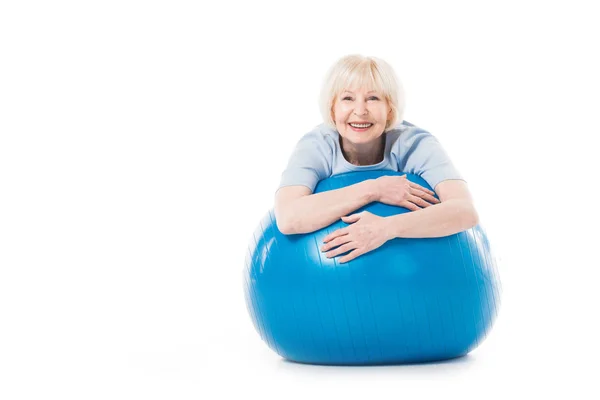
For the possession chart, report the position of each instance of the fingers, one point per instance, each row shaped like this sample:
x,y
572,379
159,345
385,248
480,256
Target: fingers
x,y
421,188
351,218
351,256
425,195
335,242
340,250
344,231
333,235
419,201
409,205
430,198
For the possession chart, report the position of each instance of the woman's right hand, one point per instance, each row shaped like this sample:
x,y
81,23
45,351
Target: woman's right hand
x,y
399,191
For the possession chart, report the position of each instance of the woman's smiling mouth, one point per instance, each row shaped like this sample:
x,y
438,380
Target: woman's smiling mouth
x,y
360,127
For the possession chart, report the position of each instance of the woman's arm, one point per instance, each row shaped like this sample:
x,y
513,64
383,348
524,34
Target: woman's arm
x,y
444,219
455,213
298,211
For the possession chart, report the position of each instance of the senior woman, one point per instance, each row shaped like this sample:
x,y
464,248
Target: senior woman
x,y
362,103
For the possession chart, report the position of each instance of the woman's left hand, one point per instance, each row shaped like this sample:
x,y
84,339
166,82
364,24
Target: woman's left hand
x,y
366,232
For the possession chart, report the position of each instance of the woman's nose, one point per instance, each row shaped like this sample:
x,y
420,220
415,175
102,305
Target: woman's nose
x,y
360,109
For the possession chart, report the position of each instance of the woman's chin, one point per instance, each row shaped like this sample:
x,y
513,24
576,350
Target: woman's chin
x,y
361,137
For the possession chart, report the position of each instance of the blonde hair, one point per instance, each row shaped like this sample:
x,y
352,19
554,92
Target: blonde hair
x,y
369,72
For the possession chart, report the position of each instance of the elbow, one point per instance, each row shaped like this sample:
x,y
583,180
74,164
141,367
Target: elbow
x,y
466,215
288,226
472,216
284,224
285,227
476,219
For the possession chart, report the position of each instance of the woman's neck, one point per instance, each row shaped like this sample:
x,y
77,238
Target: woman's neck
x,y
368,154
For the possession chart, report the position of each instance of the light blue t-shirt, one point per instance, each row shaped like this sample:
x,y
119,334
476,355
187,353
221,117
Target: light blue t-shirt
x,y
408,149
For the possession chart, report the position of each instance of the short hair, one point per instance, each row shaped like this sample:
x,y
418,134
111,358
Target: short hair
x,y
370,72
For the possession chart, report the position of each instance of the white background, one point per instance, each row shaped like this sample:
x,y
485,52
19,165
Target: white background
x,y
141,142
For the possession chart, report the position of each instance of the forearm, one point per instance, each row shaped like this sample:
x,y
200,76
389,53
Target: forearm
x,y
316,211
443,219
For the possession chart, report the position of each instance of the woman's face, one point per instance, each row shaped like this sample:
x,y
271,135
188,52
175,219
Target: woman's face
x,y
360,106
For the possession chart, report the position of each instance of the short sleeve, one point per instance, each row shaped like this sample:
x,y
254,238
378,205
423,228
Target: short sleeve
x,y
309,163
421,153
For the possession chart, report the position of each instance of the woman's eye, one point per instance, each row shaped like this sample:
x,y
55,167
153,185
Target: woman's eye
x,y
372,97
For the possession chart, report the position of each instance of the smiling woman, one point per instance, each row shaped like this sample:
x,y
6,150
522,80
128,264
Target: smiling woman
x,y
362,105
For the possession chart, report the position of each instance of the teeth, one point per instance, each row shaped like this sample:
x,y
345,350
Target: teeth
x,y
361,125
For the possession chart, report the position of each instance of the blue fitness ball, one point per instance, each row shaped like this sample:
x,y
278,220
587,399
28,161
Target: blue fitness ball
x,y
410,300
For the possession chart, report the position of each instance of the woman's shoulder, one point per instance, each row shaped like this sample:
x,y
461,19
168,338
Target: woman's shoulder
x,y
323,131
321,135
406,134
